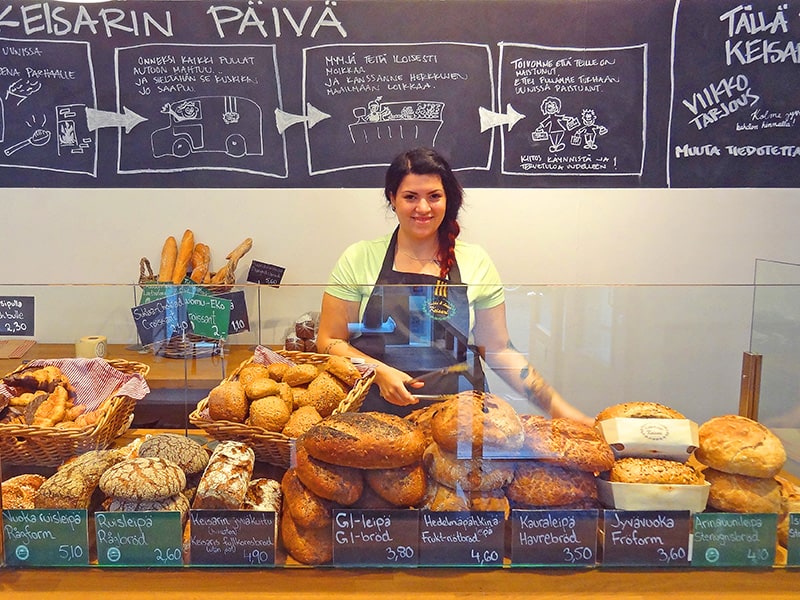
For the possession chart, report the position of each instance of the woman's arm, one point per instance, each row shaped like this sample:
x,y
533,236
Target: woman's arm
x,y
491,336
333,338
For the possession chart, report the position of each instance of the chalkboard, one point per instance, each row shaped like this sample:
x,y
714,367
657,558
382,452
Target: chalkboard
x,y
735,108
17,315
375,538
646,538
46,538
734,540
455,538
312,93
233,538
140,539
559,538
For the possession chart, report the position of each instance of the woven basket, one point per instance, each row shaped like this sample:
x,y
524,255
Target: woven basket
x,y
50,446
270,447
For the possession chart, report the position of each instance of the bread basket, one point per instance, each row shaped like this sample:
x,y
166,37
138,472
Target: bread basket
x,y
22,444
270,447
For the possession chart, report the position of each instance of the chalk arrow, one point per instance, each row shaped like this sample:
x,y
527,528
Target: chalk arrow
x,y
284,120
491,119
95,119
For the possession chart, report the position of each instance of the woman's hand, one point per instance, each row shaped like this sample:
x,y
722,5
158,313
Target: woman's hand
x,y
392,385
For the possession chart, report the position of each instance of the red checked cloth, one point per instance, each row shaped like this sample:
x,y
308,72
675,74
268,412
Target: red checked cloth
x,y
94,380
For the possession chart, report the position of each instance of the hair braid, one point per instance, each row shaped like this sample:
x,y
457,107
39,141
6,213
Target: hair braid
x,y
448,232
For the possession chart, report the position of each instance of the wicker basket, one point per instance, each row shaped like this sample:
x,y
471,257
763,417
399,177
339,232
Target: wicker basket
x,y
270,447
50,446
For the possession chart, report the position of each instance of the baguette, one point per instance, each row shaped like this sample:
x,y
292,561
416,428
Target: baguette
x,y
201,260
184,256
169,254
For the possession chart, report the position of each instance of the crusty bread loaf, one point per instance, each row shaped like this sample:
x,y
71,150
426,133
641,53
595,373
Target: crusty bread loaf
x,y
178,503
333,482
169,254
200,263
738,445
185,452
308,510
439,497
402,486
263,494
654,470
537,483
226,478
368,440
638,410
148,478
74,483
309,546
485,422
743,494
567,443
185,249
475,474
790,503
19,492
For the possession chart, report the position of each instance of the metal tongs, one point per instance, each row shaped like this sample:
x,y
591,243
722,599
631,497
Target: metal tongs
x,y
436,375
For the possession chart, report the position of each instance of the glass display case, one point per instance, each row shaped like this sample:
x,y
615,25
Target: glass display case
x,y
680,346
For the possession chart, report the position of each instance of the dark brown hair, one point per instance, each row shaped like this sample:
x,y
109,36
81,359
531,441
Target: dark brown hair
x,y
426,161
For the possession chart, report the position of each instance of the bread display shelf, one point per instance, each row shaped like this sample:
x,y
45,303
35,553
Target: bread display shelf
x,y
22,444
270,447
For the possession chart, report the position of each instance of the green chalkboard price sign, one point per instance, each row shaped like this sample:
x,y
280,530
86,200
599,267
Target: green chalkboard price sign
x,y
734,540
45,538
139,539
793,543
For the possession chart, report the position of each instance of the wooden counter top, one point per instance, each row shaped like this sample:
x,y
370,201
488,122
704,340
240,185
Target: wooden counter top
x,y
165,373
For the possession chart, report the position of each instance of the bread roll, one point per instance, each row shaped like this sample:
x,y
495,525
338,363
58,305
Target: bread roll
x,y
738,445
226,478
567,443
300,421
185,249
325,392
344,369
654,470
638,410
228,402
169,254
252,372
743,494
369,440
483,422
268,413
540,484
301,374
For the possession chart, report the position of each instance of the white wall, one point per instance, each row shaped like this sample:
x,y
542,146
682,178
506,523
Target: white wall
x,y
681,346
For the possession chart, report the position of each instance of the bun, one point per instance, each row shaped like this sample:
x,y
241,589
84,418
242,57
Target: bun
x,y
369,440
270,413
300,421
403,486
301,374
654,470
485,421
743,494
228,402
226,478
467,474
567,443
252,372
333,482
169,254
638,410
343,368
540,484
738,445
325,392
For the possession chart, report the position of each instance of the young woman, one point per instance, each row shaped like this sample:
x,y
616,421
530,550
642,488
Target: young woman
x,y
419,299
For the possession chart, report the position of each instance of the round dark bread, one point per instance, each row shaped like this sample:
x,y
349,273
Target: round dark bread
x,y
738,445
368,440
485,422
402,486
309,546
537,483
638,410
185,452
654,470
333,482
567,443
308,510
476,474
144,478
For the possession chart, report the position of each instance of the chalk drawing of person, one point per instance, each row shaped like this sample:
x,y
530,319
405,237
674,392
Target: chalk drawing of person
x,y
554,125
588,132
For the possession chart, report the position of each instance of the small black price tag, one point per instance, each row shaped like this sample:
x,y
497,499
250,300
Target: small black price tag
x,y
375,538
456,538
239,321
652,538
265,273
565,538
45,538
17,315
139,539
243,538
734,539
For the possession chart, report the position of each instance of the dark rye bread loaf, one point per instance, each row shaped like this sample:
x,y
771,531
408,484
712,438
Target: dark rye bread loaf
x,y
333,482
368,440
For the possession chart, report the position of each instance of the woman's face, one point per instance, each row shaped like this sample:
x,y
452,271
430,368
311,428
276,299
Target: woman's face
x,y
420,204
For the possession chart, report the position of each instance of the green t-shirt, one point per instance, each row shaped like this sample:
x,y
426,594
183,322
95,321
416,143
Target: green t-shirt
x,y
355,273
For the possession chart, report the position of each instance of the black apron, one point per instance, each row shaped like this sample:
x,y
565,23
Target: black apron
x,y
417,323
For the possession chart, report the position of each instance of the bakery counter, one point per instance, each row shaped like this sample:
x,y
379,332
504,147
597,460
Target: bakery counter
x,y
418,584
